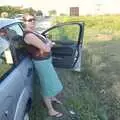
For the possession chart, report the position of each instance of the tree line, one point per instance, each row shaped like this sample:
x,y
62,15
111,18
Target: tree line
x,y
11,11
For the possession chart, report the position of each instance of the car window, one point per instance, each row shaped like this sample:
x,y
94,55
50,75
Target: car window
x,y
64,33
4,44
6,59
16,29
15,35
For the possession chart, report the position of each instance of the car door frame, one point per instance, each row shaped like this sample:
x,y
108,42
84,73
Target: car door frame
x,y
79,42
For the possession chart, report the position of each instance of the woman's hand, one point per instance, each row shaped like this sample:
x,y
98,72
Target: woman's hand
x,y
51,44
42,53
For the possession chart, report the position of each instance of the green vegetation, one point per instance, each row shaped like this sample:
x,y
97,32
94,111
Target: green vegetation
x,y
94,94
100,23
18,10
5,67
66,33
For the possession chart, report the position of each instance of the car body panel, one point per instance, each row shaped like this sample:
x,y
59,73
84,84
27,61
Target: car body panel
x,y
8,88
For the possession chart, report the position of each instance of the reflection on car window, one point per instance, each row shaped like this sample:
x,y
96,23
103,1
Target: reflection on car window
x,y
4,44
18,46
16,30
6,60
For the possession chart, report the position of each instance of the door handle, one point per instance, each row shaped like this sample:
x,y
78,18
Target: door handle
x,y
29,72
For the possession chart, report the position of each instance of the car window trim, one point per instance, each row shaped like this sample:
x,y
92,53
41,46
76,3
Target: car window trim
x,y
13,67
7,73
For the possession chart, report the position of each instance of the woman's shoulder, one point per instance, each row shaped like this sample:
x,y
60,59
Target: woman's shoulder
x,y
29,34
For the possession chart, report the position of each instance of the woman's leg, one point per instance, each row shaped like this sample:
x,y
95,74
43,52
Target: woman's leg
x,y
54,99
51,110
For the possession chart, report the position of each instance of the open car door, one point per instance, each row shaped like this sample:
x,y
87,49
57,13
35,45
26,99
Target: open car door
x,y
68,38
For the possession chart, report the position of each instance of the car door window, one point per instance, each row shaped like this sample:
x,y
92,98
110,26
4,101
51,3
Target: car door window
x,y
65,33
6,59
15,34
16,29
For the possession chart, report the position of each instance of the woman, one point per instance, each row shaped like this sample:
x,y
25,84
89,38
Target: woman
x,y
40,51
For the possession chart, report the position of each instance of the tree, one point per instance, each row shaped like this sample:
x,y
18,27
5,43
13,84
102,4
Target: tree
x,y
39,13
52,12
9,9
29,10
15,10
4,14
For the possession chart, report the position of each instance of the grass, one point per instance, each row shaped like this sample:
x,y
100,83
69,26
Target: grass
x,y
94,93
105,65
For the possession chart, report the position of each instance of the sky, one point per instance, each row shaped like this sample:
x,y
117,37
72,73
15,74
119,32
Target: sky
x,y
62,6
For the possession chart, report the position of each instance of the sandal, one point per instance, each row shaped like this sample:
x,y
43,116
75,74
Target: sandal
x,y
57,115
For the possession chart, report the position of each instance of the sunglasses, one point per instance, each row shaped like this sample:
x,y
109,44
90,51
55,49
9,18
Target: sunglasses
x,y
30,20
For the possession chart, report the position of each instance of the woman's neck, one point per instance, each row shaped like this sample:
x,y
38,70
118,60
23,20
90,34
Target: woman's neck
x,y
29,29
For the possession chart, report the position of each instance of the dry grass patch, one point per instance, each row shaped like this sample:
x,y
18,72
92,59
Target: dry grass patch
x,y
104,37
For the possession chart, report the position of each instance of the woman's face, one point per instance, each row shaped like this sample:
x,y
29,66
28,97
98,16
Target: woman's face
x,y
29,21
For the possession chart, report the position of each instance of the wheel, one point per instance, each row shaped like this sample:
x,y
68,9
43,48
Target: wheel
x,y
26,116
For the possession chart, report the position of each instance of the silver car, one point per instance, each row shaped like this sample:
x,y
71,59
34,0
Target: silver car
x,y
16,69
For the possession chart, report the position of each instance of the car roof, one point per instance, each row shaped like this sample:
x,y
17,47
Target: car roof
x,y
6,21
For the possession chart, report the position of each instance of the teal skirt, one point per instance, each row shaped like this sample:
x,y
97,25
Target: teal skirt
x,y
49,81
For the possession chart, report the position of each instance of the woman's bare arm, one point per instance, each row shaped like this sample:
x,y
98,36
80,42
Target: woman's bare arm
x,y
31,39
